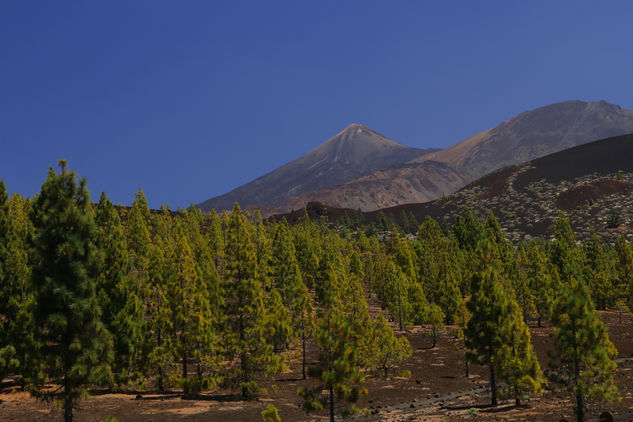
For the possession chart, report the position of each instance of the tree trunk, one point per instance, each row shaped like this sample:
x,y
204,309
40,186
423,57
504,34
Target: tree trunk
x,y
434,338
68,410
467,367
517,399
331,404
580,408
303,347
160,380
539,322
68,402
159,342
493,384
184,364
245,375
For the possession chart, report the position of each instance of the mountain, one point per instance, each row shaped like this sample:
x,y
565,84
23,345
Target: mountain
x,y
534,134
527,136
585,182
589,183
407,183
353,152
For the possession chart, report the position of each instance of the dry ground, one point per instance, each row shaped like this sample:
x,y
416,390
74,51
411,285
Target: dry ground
x,y
436,391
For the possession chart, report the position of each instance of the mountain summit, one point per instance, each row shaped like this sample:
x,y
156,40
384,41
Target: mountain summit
x,y
353,152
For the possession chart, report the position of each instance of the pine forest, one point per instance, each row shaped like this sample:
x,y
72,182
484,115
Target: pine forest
x,y
102,298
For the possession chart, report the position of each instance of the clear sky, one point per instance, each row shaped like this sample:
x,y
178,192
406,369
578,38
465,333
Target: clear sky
x,y
194,98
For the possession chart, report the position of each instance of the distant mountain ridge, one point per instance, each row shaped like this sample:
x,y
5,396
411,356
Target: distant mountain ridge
x,y
534,134
353,152
359,168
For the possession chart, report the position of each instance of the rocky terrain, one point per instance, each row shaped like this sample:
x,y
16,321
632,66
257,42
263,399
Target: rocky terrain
x,y
588,183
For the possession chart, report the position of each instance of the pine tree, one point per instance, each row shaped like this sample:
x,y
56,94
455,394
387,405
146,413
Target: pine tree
x,y
518,364
337,368
118,293
435,318
9,360
563,252
489,308
462,316
520,281
277,321
74,346
17,298
209,288
137,231
380,349
395,295
215,239
190,307
244,309
583,354
624,276
158,343
542,280
600,272
439,263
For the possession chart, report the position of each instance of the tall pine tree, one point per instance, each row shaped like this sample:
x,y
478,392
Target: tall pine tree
x,y
74,346
118,292
246,344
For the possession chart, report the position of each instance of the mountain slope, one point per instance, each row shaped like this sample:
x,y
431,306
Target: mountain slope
x,y
408,183
353,152
585,182
534,134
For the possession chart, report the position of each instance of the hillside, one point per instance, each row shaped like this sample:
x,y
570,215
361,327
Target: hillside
x,y
416,182
584,182
534,134
353,152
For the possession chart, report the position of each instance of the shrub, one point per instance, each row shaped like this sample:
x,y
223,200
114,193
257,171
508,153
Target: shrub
x,y
614,219
270,414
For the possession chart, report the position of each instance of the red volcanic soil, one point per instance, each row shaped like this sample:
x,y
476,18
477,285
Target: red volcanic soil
x,y
436,390
581,195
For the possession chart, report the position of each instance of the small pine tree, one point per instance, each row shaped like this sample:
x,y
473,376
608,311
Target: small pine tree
x,y
380,349
270,414
599,270
74,346
462,316
518,364
583,354
435,318
336,370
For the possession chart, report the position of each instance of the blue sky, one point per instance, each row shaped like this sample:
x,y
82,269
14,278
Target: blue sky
x,y
192,99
